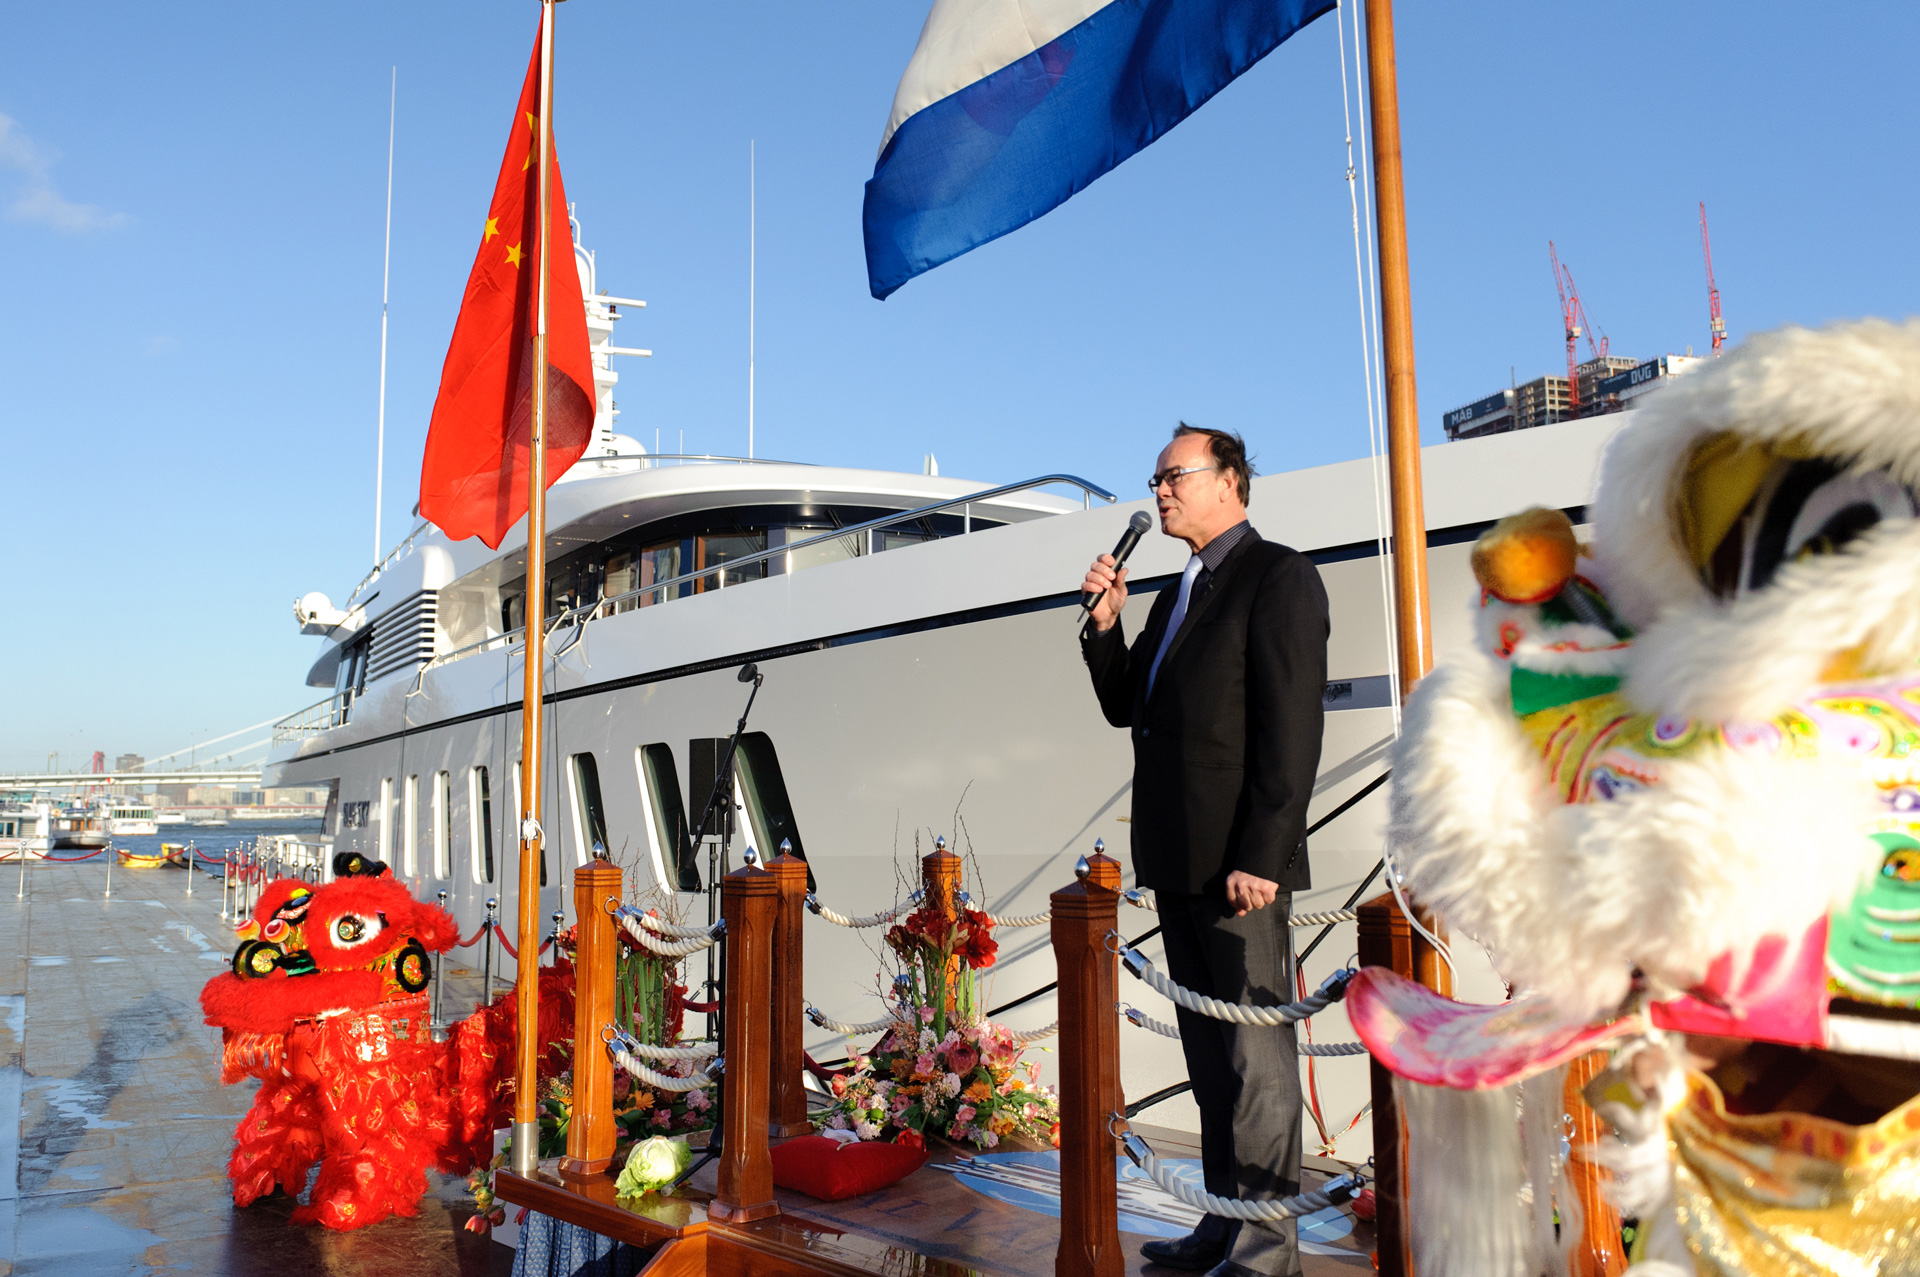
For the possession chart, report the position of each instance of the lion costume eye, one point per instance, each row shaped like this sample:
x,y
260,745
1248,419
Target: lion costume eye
x,y
1817,508
351,929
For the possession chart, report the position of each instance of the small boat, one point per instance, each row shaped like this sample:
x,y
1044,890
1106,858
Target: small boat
x,y
131,820
151,859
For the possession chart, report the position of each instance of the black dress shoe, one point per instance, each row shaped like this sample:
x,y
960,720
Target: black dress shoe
x,y
1192,1253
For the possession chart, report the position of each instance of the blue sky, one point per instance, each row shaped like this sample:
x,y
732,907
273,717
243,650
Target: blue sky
x,y
190,226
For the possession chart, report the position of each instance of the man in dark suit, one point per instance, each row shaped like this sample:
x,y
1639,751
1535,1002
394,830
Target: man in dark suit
x,y
1222,692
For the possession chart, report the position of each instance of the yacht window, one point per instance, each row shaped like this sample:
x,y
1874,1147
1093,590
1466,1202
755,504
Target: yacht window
x,y
673,858
330,822
848,546
764,793
513,612
443,826
480,816
385,838
894,539
718,550
623,574
409,827
589,813
662,563
519,810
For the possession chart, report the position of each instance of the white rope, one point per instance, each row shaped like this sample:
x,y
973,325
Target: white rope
x,y
1034,1035
658,1081
1230,1207
1141,899
667,948
660,926
1024,920
821,1019
1141,1020
698,1051
1330,992
1326,918
871,920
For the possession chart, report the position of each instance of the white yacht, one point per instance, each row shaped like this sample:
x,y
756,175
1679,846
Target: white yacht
x,y
128,819
917,637
26,827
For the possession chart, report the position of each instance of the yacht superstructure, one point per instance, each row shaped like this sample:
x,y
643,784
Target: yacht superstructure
x,y
917,635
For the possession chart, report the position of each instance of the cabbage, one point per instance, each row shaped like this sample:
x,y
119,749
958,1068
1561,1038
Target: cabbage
x,y
653,1164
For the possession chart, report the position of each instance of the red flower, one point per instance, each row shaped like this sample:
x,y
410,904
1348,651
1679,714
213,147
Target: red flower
x,y
911,1138
962,1058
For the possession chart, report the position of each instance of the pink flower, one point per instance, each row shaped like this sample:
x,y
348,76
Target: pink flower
x,y
964,1113
923,1064
663,1117
1030,1111
926,1015
901,1103
962,1058
697,1099
1033,1072
990,1138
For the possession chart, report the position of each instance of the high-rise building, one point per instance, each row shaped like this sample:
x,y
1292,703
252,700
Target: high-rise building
x,y
1606,385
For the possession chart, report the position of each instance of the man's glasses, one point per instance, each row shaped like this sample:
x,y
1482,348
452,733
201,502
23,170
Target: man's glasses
x,y
1172,477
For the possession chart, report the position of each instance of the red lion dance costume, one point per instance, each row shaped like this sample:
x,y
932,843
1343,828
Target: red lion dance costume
x,y
326,1004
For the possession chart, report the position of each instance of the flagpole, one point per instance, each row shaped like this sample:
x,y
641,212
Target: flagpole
x,y
386,273
526,1123
1414,644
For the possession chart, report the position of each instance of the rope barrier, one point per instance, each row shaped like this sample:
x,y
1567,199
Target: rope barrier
x,y
871,920
1034,1035
654,922
821,1071
665,948
1331,990
1326,919
1141,1020
70,860
1141,899
1026,920
1337,1191
698,1051
821,1019
508,944
702,1008
473,939
658,1081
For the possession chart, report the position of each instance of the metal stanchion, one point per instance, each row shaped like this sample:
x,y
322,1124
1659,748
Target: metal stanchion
x,y
558,917
440,969
22,852
486,967
226,880
192,851
112,856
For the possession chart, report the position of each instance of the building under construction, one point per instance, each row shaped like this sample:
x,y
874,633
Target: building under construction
x,y
1607,384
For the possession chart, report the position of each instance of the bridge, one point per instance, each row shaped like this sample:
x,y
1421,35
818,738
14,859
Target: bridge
x,y
87,780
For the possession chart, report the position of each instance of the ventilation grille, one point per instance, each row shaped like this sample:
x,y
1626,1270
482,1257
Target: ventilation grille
x,y
403,637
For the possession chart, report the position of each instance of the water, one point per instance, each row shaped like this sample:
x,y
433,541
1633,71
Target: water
x,y
211,841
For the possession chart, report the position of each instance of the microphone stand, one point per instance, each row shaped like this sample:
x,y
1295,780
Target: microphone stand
x,y
716,859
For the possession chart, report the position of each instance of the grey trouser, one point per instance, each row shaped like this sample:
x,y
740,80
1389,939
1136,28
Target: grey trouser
x,y
1246,1078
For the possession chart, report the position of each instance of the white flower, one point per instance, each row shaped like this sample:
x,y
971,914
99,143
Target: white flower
x,y
927,1040
950,1084
837,1122
867,1131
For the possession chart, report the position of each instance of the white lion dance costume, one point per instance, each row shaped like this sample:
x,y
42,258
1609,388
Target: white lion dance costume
x,y
1675,793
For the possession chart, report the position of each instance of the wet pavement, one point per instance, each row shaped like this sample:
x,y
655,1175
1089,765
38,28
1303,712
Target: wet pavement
x,y
114,1128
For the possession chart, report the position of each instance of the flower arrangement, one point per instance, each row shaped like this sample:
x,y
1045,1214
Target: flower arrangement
x,y
943,1069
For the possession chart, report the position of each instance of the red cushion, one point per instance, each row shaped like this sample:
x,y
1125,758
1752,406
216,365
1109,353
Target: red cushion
x,y
819,1167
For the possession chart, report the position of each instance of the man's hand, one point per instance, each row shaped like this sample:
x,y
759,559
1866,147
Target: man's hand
x,y
1247,893
1112,589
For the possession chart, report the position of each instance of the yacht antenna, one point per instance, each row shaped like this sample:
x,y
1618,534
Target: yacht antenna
x,y
386,271
751,237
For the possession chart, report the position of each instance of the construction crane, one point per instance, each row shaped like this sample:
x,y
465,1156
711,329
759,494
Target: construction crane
x,y
1574,318
1717,325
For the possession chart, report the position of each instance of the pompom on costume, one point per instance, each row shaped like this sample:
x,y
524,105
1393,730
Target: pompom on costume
x,y
1674,791
326,1005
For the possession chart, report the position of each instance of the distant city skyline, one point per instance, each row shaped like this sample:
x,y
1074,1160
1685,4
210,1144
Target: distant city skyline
x,y
191,208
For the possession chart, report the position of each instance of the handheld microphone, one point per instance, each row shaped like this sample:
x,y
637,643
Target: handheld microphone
x,y
1136,528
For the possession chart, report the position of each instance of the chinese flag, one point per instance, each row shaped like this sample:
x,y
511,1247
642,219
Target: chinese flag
x,y
473,480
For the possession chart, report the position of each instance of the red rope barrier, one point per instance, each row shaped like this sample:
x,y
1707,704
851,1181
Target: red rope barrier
x,y
703,1008
508,944
69,860
472,939
820,1070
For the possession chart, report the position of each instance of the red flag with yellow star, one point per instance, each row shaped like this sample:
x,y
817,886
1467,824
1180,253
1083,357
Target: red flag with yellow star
x,y
473,479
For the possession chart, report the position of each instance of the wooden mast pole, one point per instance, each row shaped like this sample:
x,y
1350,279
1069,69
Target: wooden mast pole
x,y
526,1123
1396,321
1414,636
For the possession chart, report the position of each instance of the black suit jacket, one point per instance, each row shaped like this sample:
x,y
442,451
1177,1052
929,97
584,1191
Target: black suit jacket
x,y
1226,749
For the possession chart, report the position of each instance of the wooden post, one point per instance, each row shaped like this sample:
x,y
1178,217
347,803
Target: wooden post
x,y
1597,1252
940,888
788,1106
1084,916
749,899
1388,940
590,1131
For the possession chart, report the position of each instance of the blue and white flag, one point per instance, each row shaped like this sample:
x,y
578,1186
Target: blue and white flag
x,y
1010,107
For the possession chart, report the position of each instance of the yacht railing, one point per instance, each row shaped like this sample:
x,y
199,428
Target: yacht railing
x,y
398,552
608,606
322,716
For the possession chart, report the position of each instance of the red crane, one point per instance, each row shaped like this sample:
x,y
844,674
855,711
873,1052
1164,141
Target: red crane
x,y
1574,318
1717,325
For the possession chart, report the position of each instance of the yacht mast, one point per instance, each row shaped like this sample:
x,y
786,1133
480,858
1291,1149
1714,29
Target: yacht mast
x,y
526,1123
386,273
